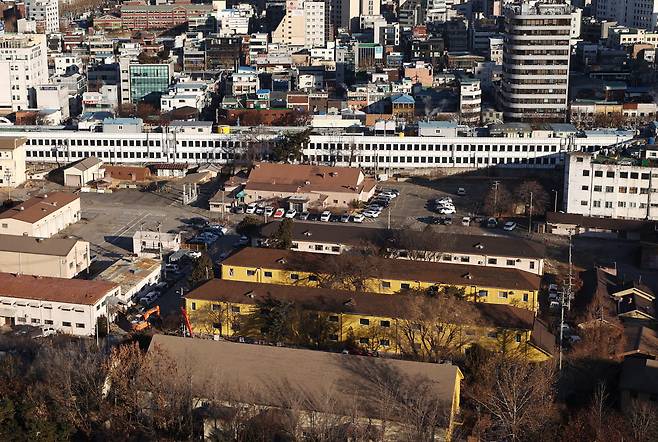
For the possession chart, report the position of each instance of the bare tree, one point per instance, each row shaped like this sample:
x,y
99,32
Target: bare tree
x,y
497,201
532,191
643,420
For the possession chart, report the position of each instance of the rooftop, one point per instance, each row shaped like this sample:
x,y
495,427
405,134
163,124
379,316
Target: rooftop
x,y
11,143
257,374
299,178
41,288
397,269
38,207
128,273
85,164
36,246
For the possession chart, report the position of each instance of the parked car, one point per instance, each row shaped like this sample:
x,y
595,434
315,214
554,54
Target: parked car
x,y
260,210
461,191
358,218
217,228
509,226
387,194
447,221
269,211
46,331
345,218
304,215
325,216
371,214
291,213
149,298
251,209
238,209
447,210
279,213
492,223
466,221
554,305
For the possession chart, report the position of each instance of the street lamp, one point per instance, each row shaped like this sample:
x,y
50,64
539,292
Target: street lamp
x,y
555,203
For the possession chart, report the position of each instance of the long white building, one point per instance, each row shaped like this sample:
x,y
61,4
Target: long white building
x,y
536,55
511,147
602,187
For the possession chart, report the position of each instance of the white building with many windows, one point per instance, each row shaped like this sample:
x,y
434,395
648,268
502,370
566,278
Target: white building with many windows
x,y
604,187
23,66
45,13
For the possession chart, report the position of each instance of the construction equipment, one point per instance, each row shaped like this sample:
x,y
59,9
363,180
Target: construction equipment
x,y
144,323
187,321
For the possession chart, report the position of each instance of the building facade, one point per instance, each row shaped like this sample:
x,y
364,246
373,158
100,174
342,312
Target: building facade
x,y
23,66
53,257
45,13
41,216
536,55
12,161
148,79
641,14
597,186
70,306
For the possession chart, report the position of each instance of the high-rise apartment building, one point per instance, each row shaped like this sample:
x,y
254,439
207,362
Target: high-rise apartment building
x,y
23,66
641,14
305,24
536,60
45,13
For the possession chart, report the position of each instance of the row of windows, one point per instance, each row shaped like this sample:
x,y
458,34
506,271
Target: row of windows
x,y
430,160
437,147
23,319
620,189
620,204
623,175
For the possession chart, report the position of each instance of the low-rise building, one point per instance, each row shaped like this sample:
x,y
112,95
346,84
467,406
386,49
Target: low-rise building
x,y
147,243
321,186
476,250
342,389
12,161
84,171
383,275
370,319
70,306
611,188
41,216
135,276
54,257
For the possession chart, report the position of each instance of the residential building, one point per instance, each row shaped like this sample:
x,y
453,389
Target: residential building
x,y
41,216
477,250
136,16
234,21
135,276
371,320
480,284
305,24
45,13
53,97
147,243
605,187
84,171
12,161
186,94
23,66
641,14
470,101
53,257
305,185
536,61
245,81
319,377
71,306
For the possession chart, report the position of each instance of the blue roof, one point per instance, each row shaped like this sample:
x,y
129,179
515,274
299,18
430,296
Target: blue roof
x,y
262,91
403,99
122,121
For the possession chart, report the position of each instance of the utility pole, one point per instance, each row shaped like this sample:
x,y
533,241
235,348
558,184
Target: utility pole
x,y
565,299
495,207
555,204
530,212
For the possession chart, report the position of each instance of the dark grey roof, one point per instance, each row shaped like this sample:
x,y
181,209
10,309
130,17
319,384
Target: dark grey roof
x,y
639,374
440,242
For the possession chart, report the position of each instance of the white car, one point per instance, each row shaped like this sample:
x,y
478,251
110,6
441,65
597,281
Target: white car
x,y
466,221
447,210
371,214
358,218
193,254
509,226
388,194
269,211
325,216
345,218
291,213
461,191
46,331
251,209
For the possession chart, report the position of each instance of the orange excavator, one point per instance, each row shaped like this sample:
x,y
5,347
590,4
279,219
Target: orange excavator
x,y
144,322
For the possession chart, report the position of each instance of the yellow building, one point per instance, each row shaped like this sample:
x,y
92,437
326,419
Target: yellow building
x,y
370,321
382,275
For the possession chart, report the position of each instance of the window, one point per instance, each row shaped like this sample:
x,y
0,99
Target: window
x,y
66,324
517,338
217,325
503,294
48,321
465,259
532,264
235,309
385,324
268,274
312,278
193,306
525,297
21,319
386,284
584,188
622,190
405,286
294,276
483,293
609,174
585,172
492,261
597,188
35,321
79,325
598,173
609,189
510,262
384,342
251,272
215,307
230,272
364,321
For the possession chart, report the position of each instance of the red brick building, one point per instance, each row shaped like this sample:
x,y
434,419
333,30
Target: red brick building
x,y
139,16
